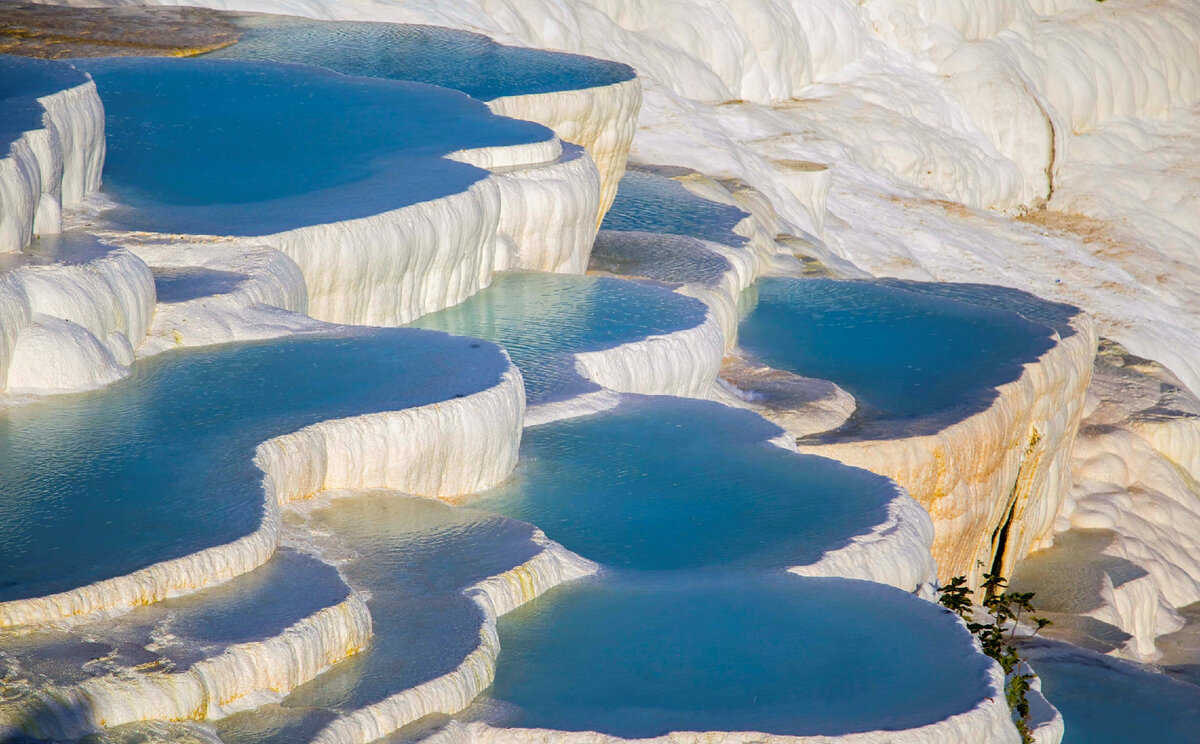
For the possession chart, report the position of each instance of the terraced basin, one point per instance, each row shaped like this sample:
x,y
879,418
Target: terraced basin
x,y
910,353
635,657
663,483
414,556
160,465
450,58
543,320
193,143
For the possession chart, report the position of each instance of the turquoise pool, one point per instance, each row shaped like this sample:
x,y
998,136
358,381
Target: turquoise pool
x,y
414,556
663,483
636,657
193,143
159,465
919,357
542,320
471,63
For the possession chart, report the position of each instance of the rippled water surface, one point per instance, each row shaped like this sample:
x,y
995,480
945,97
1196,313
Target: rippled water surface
x,y
469,62
159,465
649,202
671,483
542,319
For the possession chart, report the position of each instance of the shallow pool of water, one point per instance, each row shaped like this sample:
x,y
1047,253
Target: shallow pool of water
x,y
414,556
1108,701
636,658
649,202
663,483
192,142
469,62
903,353
159,465
542,320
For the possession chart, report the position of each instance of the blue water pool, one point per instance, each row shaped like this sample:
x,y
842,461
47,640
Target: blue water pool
x,y
543,319
159,465
22,82
671,483
414,556
1107,701
652,202
59,248
193,143
906,354
633,657
469,62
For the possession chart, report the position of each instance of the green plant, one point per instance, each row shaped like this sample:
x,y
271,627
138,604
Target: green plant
x,y
1002,608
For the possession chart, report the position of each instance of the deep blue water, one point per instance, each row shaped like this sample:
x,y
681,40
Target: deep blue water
x,y
1107,701
159,465
635,658
648,202
252,148
542,319
471,63
670,483
902,352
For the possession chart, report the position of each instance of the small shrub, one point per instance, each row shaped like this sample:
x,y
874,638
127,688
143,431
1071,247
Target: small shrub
x,y
1002,607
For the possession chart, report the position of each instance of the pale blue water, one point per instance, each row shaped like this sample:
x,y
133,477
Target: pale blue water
x,y
194,144
159,465
542,319
1107,701
648,202
634,657
22,82
415,556
903,353
671,483
469,62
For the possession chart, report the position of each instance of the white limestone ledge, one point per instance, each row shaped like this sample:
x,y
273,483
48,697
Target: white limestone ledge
x,y
56,163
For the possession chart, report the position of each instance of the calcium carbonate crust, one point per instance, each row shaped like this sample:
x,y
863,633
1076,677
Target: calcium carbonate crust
x,y
239,678
439,450
53,167
68,327
601,119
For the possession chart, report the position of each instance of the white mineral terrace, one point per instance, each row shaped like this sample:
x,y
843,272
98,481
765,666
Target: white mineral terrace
x,y
1010,142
